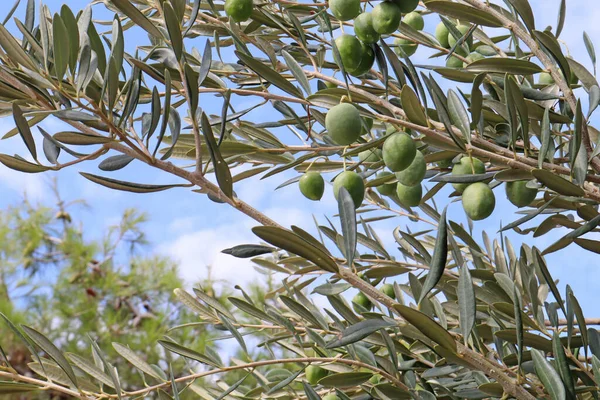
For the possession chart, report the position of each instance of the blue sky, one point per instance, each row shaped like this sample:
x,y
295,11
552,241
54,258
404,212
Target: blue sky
x,y
194,230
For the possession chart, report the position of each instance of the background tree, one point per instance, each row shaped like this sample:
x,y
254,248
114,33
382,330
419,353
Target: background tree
x,y
455,318
70,287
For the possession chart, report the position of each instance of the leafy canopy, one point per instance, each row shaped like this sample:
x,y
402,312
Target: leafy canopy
x,y
456,318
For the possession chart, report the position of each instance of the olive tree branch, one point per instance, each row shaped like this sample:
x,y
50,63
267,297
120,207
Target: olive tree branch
x,y
44,385
329,360
561,81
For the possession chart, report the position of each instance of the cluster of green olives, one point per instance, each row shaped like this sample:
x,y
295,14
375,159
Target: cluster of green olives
x,y
356,54
399,153
408,165
478,199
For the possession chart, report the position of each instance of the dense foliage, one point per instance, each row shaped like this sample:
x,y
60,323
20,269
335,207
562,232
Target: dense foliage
x,y
455,317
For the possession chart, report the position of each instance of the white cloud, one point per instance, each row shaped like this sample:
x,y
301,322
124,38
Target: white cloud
x,y
198,250
34,186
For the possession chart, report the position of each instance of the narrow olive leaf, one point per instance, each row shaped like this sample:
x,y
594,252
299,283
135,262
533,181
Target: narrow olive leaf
x,y
504,65
191,85
51,149
213,303
133,95
541,265
549,42
237,384
300,310
578,174
248,250
53,352
30,15
297,71
90,369
562,364
9,388
546,138
576,307
427,326
594,99
311,394
562,12
18,334
345,379
511,110
19,164
440,101
548,375
236,334
462,178
174,389
14,50
24,129
587,79
60,40
517,307
458,115
589,45
289,241
463,12
166,111
112,371
477,102
515,97
249,309
290,379
381,64
528,92
466,302
115,163
525,12
128,186
557,183
222,172
206,63
359,331
224,110
412,106
174,30
590,245
596,368
347,212
513,175
414,242
439,258
193,16
11,11
131,11
331,289
594,337
80,138
394,62
188,353
73,33
136,360
571,236
269,74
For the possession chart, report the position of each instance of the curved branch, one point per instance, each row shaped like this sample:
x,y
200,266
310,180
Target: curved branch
x,y
256,364
44,385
